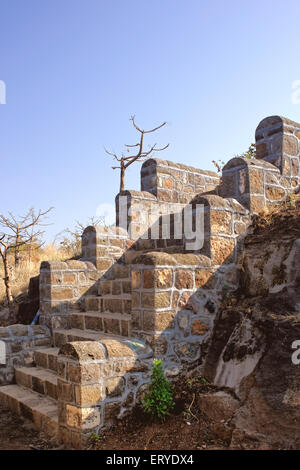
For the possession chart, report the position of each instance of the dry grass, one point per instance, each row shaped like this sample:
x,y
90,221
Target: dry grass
x,y
21,275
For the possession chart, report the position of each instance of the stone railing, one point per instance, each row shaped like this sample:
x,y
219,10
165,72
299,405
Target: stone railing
x,y
63,285
103,246
98,382
278,142
17,344
175,182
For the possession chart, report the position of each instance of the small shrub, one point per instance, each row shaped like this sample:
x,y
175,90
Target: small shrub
x,y
159,399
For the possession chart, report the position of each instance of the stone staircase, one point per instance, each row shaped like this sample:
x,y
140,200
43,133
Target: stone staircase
x,y
106,313
34,396
106,316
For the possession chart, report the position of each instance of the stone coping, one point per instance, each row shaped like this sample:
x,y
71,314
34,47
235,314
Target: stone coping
x,y
179,166
111,232
106,348
18,331
68,265
250,162
159,258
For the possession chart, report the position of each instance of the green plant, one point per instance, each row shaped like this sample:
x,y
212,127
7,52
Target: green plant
x,y
95,437
159,399
250,153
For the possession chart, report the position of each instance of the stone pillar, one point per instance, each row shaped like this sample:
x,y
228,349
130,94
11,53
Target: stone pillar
x,y
103,246
278,142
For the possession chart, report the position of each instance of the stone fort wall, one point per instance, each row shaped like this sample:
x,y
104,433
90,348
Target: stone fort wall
x,y
132,297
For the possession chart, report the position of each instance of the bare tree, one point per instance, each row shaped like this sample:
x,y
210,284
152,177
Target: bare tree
x,y
17,233
70,239
23,228
141,155
6,246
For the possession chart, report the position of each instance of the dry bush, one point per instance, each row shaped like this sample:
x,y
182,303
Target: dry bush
x,y
21,275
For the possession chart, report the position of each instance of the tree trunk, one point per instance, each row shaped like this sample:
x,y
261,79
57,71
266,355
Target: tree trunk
x,y
9,296
17,250
122,177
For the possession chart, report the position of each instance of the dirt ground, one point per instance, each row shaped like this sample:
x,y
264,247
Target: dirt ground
x,y
17,433
185,428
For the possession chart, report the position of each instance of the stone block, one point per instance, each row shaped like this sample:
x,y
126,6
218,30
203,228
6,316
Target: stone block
x,y
89,394
184,279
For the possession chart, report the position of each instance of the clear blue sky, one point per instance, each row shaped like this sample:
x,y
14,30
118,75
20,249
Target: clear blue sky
x,y
75,70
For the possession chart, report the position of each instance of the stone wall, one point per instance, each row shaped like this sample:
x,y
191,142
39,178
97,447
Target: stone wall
x,y
175,182
174,302
166,188
63,286
17,343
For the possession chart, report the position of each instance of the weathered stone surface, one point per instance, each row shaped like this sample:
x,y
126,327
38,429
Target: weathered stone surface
x,y
274,193
159,321
187,350
117,348
83,350
115,386
205,279
221,222
159,278
222,250
136,279
184,279
82,418
157,299
89,394
218,406
81,373
199,328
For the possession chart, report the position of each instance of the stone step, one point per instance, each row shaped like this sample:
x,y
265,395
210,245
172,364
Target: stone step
x,y
121,271
93,303
64,336
114,287
46,358
38,380
109,303
39,409
111,323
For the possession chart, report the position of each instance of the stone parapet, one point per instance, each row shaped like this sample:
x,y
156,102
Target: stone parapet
x,y
278,142
256,184
225,223
175,182
103,246
63,287
17,344
98,382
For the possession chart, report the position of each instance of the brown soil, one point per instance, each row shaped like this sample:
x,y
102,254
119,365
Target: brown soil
x,y
17,433
277,221
185,428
